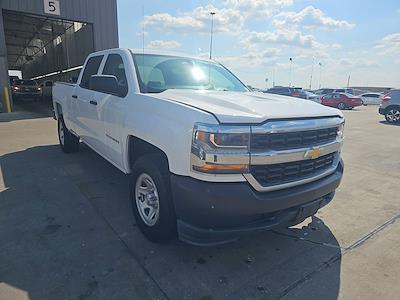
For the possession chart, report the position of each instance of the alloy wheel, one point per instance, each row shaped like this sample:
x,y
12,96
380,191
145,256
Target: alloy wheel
x,y
393,115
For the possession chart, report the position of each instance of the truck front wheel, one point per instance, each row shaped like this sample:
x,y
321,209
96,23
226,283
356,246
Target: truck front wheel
x,y
69,143
151,198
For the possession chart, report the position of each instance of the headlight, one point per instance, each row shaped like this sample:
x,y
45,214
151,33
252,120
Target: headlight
x,y
340,131
220,149
39,89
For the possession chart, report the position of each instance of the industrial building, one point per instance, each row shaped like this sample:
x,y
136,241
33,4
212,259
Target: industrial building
x,y
50,39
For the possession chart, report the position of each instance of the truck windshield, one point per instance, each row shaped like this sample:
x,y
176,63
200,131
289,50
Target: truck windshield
x,y
157,73
25,82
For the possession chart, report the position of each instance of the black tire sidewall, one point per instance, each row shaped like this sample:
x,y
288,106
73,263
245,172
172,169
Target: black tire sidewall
x,y
71,142
165,227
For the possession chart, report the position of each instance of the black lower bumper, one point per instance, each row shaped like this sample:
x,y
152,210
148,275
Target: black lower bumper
x,y
382,111
213,213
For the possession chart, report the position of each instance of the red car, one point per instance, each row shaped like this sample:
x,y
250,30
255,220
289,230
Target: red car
x,y
341,100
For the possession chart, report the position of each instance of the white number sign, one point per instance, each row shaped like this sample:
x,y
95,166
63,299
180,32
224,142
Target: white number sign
x,y
52,7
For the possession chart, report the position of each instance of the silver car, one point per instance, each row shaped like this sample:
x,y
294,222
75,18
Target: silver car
x,y
390,106
371,98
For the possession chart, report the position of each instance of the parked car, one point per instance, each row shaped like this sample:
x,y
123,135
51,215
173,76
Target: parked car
x,y
286,91
325,91
390,106
181,127
346,90
47,87
26,89
311,96
371,98
322,92
341,100
12,78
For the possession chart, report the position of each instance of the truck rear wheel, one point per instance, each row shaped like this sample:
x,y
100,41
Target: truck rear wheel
x,y
69,143
151,198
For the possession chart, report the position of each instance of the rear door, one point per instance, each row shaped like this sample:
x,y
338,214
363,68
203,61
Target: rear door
x,y
113,116
88,108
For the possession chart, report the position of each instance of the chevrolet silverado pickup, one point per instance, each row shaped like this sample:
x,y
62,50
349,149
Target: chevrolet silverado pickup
x,y
208,160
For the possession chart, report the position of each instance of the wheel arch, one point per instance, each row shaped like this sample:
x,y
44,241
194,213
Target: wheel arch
x,y
58,110
392,106
137,147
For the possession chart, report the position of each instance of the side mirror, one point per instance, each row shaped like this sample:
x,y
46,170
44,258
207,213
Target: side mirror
x,y
105,84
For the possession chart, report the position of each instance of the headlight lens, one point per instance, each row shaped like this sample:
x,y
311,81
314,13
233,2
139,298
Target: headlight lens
x,y
220,149
340,131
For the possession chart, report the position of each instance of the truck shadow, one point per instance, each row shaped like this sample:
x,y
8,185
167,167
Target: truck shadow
x,y
68,231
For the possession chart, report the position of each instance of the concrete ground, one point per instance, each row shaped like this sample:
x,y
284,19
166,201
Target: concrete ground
x,y
67,230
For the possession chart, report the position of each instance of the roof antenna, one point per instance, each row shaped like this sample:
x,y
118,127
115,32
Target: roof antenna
x,y
145,86
143,28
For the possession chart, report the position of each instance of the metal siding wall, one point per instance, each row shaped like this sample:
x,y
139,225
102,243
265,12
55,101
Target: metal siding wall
x,y
101,13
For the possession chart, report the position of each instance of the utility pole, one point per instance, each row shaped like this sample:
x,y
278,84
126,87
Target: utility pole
x,y
211,35
320,75
290,72
312,70
273,77
348,81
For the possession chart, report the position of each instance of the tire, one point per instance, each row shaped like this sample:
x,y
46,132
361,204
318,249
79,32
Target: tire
x,y
152,205
392,114
341,106
69,143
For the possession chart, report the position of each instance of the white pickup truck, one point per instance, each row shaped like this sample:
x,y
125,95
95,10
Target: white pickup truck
x,y
208,160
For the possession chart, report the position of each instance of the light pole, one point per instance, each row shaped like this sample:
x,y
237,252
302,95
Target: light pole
x,y
320,74
211,35
290,72
312,70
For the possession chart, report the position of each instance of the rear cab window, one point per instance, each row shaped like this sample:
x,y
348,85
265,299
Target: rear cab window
x,y
91,68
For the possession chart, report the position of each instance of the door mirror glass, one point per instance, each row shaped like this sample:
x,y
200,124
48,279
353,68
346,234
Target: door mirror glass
x,y
107,84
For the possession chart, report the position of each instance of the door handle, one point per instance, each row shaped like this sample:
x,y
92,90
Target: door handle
x,y
75,96
93,102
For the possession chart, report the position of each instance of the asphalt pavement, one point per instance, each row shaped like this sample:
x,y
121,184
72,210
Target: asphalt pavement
x,y
67,230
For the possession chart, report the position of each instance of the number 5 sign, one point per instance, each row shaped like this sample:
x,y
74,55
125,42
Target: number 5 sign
x,y
52,7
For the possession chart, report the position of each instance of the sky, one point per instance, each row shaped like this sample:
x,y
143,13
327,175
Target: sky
x,y
329,41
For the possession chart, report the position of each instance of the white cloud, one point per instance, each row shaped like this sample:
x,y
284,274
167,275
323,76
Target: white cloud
x,y
226,20
258,58
256,8
166,22
357,62
390,44
229,16
310,17
160,44
280,36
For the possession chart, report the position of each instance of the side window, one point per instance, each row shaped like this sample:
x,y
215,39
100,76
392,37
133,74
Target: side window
x,y
91,68
115,66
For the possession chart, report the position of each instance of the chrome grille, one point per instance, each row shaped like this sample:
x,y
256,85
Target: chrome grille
x,y
275,174
292,140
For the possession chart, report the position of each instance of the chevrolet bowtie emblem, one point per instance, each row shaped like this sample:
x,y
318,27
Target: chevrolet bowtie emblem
x,y
313,153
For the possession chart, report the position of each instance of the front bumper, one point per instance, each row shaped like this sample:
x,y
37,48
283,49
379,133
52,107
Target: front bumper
x,y
381,111
212,213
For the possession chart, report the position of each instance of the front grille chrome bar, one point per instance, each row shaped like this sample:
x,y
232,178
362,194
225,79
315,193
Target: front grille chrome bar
x,y
296,125
284,156
259,188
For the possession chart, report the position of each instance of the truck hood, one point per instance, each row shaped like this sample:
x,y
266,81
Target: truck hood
x,y
248,107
